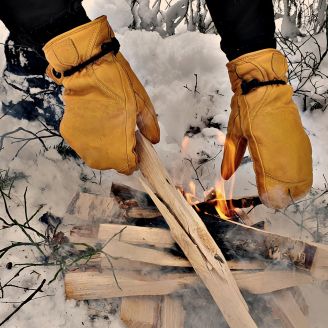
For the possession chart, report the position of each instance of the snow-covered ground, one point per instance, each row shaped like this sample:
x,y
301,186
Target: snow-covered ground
x,y
167,68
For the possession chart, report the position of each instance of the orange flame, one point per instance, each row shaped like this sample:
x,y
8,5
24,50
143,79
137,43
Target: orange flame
x,y
224,207
185,144
218,195
191,196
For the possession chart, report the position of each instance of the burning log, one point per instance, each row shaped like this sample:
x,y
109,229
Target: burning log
x,y
193,238
233,243
185,229
238,242
134,248
253,282
209,206
195,242
139,205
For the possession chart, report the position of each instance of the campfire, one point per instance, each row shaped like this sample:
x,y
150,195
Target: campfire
x,y
156,244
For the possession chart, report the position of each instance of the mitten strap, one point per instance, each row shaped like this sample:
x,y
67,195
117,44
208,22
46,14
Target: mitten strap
x,y
107,47
248,86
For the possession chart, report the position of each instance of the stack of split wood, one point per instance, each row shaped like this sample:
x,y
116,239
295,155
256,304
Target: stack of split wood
x,y
157,248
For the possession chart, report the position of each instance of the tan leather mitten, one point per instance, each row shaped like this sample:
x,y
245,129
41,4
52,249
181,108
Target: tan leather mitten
x,y
264,117
104,100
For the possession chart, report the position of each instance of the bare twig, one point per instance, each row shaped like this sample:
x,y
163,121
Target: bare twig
x,y
39,289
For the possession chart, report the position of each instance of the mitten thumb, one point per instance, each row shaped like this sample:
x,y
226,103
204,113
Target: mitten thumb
x,y
234,149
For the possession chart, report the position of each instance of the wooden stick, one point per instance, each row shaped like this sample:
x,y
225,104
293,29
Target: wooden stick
x,y
91,207
120,264
154,264
141,311
289,312
270,281
95,285
235,240
193,238
303,255
300,299
157,237
172,312
142,236
247,265
82,285
141,213
209,274
119,249
319,268
288,305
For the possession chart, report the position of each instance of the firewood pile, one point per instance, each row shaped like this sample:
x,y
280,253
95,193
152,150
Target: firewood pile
x,y
155,246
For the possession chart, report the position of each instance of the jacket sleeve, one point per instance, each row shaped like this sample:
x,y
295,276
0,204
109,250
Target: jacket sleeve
x,y
244,25
34,22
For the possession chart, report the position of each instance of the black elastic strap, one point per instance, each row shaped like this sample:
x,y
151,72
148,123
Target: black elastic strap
x,y
112,46
246,87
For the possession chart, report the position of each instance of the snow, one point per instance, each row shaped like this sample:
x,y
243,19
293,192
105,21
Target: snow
x,y
117,11
167,68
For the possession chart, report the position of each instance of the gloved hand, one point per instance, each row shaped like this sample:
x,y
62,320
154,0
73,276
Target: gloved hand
x,y
104,100
265,118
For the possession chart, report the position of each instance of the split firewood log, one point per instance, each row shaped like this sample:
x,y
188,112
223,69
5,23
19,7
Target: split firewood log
x,y
84,285
232,240
90,285
141,311
288,310
172,312
288,305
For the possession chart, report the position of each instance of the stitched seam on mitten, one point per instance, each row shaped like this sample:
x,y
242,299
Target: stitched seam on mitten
x,y
267,91
69,33
103,86
92,41
149,111
136,94
129,165
256,146
255,56
284,181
